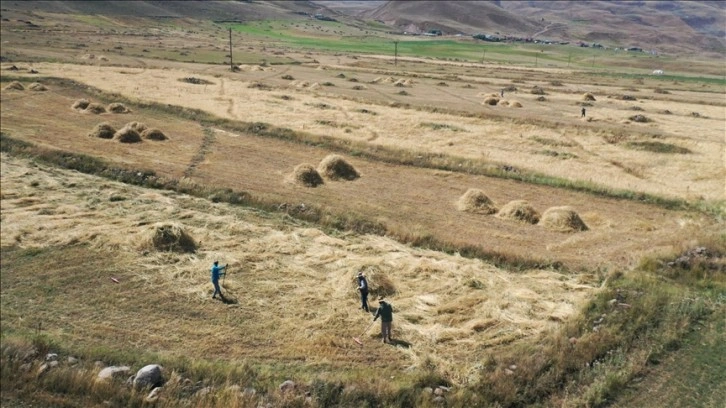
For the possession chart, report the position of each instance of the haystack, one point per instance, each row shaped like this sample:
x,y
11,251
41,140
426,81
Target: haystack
x,y
95,108
103,131
519,210
117,107
475,201
169,237
503,102
306,175
127,135
81,104
153,134
37,86
335,167
515,104
137,126
563,219
491,101
15,85
588,97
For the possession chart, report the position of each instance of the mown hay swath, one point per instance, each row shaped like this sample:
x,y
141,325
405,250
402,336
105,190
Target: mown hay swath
x,y
563,219
306,175
475,201
103,131
37,86
519,210
588,97
334,167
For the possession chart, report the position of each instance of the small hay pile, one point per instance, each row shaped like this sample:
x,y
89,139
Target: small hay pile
x,y
334,167
80,104
169,237
475,201
519,210
153,134
491,101
137,126
588,97
117,107
37,86
94,108
563,219
503,102
515,104
103,131
306,175
14,86
127,134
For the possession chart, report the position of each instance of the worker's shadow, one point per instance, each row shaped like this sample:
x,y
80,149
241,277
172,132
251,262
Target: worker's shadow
x,y
400,343
229,300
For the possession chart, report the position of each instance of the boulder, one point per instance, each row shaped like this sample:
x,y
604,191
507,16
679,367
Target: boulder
x,y
149,376
287,386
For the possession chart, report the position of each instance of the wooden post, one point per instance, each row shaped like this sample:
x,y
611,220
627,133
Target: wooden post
x,y
231,64
395,53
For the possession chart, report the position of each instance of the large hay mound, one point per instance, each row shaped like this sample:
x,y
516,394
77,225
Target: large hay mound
x,y
169,237
491,101
475,201
117,107
335,167
306,175
588,97
103,131
519,210
81,104
37,86
14,86
127,135
563,219
153,134
95,108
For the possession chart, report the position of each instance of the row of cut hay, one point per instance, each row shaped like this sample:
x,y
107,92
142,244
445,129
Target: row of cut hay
x,y
332,167
84,105
132,132
17,86
494,100
563,219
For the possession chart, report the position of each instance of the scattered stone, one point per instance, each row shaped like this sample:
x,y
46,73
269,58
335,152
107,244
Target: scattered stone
x,y
72,360
112,372
428,390
51,357
154,394
439,400
508,371
573,340
249,392
149,376
438,391
286,386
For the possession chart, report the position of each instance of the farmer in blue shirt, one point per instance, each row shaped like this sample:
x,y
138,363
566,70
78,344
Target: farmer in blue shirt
x,y
217,271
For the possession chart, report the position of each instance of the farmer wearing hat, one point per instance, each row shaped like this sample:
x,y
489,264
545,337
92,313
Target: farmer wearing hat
x,y
385,311
217,271
363,288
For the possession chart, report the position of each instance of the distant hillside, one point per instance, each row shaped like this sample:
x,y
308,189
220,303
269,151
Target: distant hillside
x,y
453,17
664,26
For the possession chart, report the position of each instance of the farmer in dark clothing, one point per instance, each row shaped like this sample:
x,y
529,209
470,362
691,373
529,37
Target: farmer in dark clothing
x,y
363,288
217,271
583,112
385,312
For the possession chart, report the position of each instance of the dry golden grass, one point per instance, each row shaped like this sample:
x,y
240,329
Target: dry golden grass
x,y
679,176
292,288
36,86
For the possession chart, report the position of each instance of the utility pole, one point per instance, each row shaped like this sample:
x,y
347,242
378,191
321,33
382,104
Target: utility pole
x,y
231,64
569,56
395,53
535,60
